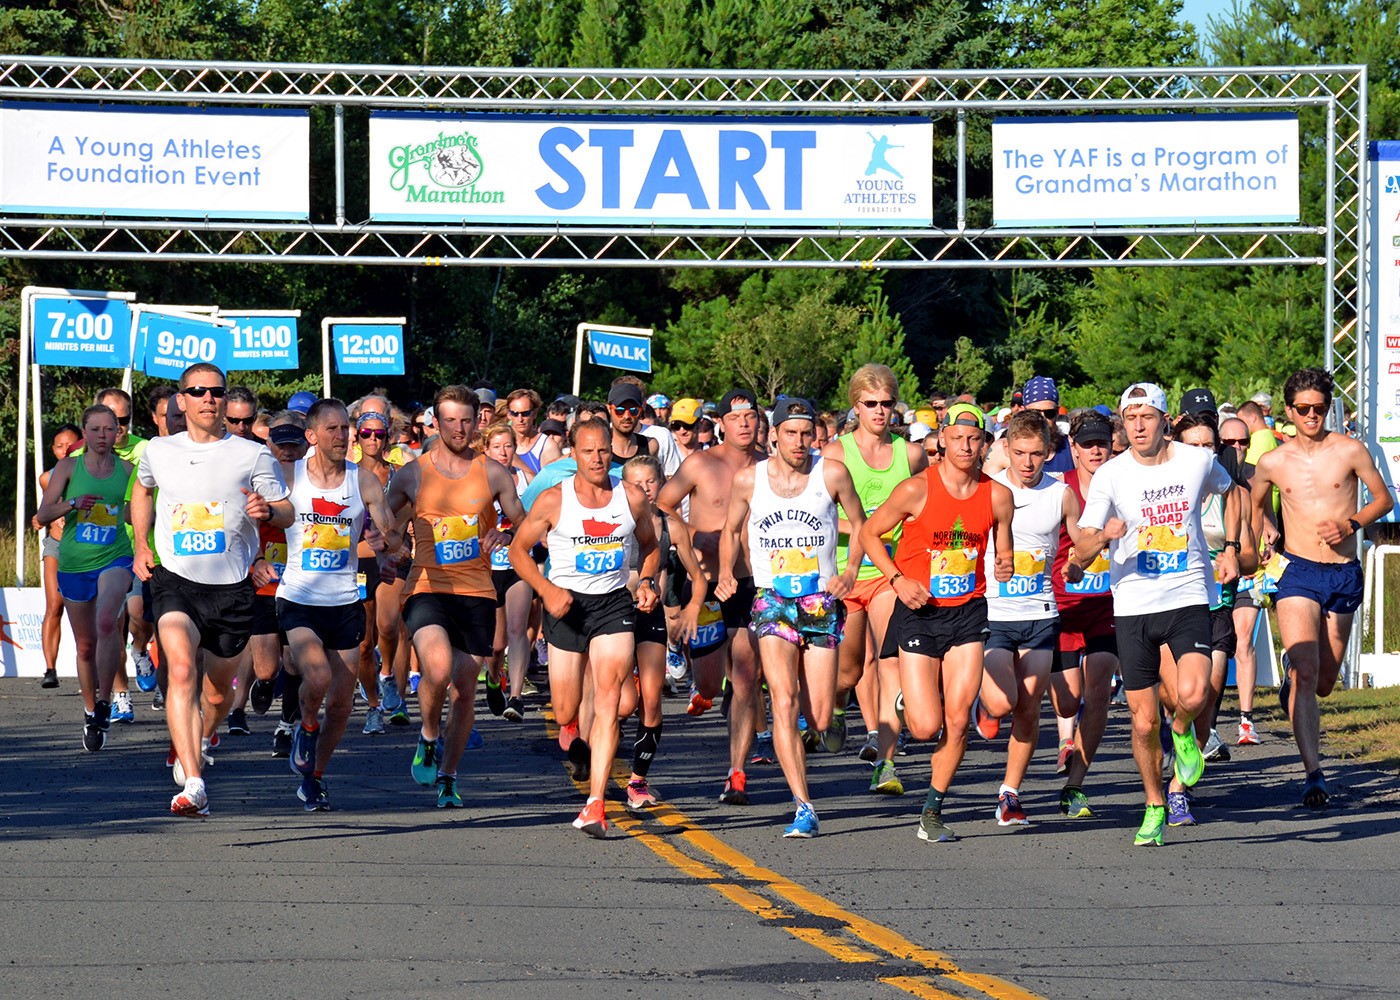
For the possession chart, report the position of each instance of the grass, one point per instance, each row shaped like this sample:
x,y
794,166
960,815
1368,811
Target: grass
x,y
31,559
1361,725
1391,615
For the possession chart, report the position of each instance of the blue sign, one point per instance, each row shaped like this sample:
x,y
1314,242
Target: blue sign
x,y
173,343
81,333
620,350
263,343
368,348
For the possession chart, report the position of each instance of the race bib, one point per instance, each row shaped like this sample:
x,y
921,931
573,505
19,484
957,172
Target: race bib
x,y
709,626
276,554
795,572
597,558
455,539
1267,579
198,528
500,558
362,585
1161,549
1095,579
325,548
953,572
99,525
1028,577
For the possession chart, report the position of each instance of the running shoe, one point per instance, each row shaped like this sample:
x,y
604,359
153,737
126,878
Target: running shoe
x,y
804,823
1179,810
542,652
50,678
121,710
987,725
834,739
884,780
515,710
1215,750
475,741
389,696
303,756
726,699
1248,737
1075,804
640,795
103,711
933,829
94,739
282,739
158,702
211,742
762,749
1285,690
810,742
902,745
1190,765
177,770
315,793
675,669
567,734
495,697
735,789
145,671
447,792
413,679
1009,811
528,688
238,723
580,759
870,749
1066,753
260,695
593,820
899,707
399,716
425,761
374,721
190,802
699,704
1150,833
1168,764
1316,794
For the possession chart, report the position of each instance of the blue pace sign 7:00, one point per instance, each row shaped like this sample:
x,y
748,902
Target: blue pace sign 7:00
x,y
82,333
368,348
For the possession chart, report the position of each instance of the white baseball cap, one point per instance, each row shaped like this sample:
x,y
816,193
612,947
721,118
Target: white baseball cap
x,y
1152,396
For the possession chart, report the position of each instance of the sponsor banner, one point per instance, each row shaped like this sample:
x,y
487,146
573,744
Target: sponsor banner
x,y
619,350
263,341
613,169
368,348
172,341
1145,170
1383,418
219,163
21,635
81,333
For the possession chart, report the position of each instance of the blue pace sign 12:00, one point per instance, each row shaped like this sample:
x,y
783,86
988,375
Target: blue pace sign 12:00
x,y
82,333
368,348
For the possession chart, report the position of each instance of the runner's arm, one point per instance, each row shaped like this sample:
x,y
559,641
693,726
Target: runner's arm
x,y
1003,509
1096,527
729,538
1382,500
918,458
843,490
677,488
648,549
1069,512
680,540
835,451
1261,492
379,513
544,514
502,485
142,517
905,501
1227,563
52,506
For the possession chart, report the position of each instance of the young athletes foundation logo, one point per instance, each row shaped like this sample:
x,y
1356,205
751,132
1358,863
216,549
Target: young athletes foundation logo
x,y
445,170
881,189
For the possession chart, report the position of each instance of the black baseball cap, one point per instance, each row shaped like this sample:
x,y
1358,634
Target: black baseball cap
x,y
1094,429
553,426
1198,401
624,392
736,401
793,408
286,434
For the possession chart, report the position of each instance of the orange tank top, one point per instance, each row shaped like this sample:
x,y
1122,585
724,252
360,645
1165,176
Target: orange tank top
x,y
945,545
450,518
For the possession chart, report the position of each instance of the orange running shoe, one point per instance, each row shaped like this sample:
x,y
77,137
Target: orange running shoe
x,y
699,704
735,789
592,820
567,734
988,725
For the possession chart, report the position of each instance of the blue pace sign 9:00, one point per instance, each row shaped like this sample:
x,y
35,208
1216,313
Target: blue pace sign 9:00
x,y
82,333
173,343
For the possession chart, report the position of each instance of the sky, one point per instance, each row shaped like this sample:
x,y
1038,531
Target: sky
x,y
1197,11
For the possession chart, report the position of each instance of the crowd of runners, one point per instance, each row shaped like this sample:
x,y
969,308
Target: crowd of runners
x,y
935,568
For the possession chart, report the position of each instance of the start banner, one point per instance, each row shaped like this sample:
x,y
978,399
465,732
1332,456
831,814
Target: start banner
x,y
22,635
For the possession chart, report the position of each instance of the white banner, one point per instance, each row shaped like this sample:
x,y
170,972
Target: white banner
x,y
1383,425
218,163
610,169
21,635
1145,170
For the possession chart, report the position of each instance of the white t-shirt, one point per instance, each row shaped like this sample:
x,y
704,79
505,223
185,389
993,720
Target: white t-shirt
x,y
1035,536
1160,563
666,451
202,532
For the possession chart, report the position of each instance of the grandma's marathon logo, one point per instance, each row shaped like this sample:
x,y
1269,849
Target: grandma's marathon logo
x,y
453,167
881,191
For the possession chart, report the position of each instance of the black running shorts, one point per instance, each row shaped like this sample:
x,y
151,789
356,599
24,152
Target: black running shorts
x,y
1140,638
339,627
589,616
222,613
470,622
934,630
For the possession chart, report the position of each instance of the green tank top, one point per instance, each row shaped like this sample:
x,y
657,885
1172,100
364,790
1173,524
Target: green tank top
x,y
92,539
874,487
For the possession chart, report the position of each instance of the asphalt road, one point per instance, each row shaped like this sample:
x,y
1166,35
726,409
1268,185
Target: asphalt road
x,y
108,895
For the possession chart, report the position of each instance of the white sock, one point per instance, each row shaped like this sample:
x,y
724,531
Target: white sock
x,y
1007,788
194,786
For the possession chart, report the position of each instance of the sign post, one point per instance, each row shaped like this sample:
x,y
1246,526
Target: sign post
x,y
363,346
625,347
1382,398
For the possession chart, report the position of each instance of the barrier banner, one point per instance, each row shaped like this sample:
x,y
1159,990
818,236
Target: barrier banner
x,y
1126,170
81,333
176,163
1383,397
615,169
21,635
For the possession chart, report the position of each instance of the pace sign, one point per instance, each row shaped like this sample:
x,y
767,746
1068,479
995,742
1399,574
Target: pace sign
x,y
81,333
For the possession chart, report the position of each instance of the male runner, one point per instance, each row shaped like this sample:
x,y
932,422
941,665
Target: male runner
x,y
450,611
947,515
723,644
685,421
787,506
625,410
1317,473
1148,502
588,523
214,489
523,408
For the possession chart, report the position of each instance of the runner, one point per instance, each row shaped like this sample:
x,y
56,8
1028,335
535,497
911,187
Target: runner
x,y
511,647
450,611
1148,504
65,439
523,409
88,492
1234,437
318,601
786,506
625,410
877,462
214,489
589,612
1317,474
947,515
1024,618
722,644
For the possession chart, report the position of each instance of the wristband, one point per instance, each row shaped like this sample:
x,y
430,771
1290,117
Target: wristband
x,y
1355,525
897,575
1233,544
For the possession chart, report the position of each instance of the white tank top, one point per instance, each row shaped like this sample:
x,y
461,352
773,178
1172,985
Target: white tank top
x,y
1035,535
588,547
792,540
500,557
325,529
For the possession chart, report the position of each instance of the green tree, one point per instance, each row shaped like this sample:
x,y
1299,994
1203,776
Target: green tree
x,y
1092,33
880,340
967,370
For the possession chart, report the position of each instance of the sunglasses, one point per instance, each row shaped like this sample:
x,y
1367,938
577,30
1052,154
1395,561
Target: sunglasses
x,y
522,413
1235,442
198,391
1310,409
630,408
241,421
367,433
681,425
883,404
124,421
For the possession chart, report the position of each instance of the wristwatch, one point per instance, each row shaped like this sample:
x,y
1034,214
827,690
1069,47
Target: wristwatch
x,y
1232,544
1355,525
72,503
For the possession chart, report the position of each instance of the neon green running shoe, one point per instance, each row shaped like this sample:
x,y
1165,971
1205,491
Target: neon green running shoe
x,y
425,762
885,781
1150,833
1075,804
1190,765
